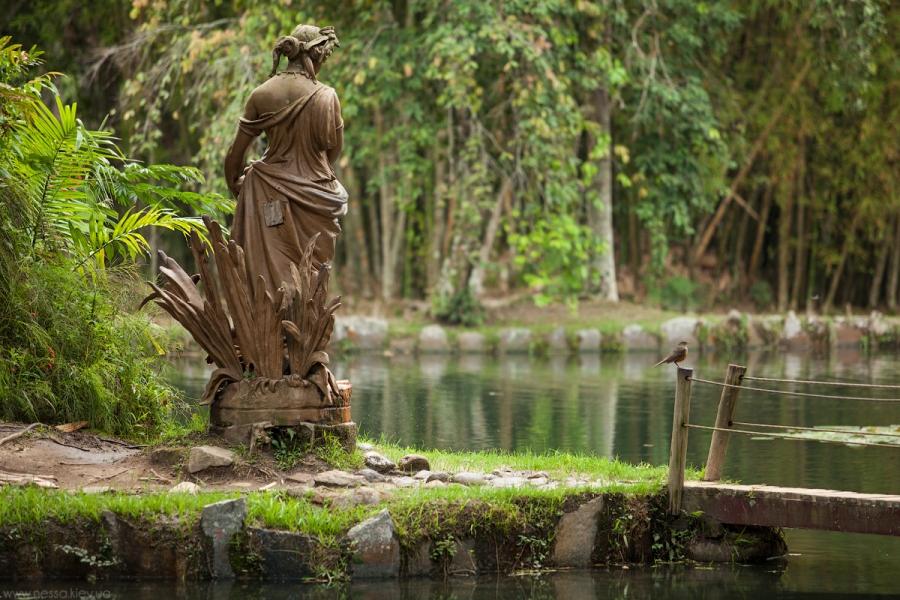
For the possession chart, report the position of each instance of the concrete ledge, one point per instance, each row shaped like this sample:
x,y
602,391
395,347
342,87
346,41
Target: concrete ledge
x,y
794,507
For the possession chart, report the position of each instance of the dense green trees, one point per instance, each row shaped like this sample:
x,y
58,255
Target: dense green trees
x,y
494,146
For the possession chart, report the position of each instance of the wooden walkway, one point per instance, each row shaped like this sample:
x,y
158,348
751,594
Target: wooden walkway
x,y
799,508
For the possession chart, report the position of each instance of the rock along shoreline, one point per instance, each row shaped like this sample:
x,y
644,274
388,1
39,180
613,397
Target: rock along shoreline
x,y
430,537
733,332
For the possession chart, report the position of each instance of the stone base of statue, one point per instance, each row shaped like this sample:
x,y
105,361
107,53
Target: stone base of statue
x,y
241,409
268,347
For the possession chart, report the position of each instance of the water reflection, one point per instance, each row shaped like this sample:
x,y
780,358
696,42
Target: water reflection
x,y
779,579
621,406
617,405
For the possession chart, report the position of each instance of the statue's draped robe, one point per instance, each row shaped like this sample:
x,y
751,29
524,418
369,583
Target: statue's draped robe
x,y
294,172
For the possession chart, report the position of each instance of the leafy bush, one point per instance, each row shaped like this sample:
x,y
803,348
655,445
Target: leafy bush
x,y
761,294
461,308
679,293
69,353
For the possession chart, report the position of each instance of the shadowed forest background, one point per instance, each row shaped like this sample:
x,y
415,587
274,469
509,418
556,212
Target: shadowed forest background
x,y
694,153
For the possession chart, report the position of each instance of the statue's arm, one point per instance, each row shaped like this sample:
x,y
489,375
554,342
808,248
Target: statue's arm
x,y
237,152
335,151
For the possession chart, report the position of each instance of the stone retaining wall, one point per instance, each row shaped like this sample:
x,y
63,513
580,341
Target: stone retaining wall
x,y
730,333
590,529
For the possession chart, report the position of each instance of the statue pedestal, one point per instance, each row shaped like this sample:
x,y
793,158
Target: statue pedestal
x,y
253,404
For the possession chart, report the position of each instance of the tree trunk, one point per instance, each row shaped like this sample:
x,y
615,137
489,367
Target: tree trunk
x,y
894,278
600,212
739,270
784,244
476,277
438,206
753,267
839,270
799,257
388,255
880,264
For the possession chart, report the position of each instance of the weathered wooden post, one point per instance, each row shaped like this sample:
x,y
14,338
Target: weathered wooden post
x,y
678,449
719,444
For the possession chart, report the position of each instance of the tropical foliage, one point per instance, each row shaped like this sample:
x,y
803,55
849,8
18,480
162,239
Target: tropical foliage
x,y
73,207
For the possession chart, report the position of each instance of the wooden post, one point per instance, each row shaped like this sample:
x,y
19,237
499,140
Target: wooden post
x,y
724,416
678,449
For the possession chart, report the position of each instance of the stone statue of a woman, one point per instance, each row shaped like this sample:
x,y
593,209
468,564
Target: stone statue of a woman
x,y
291,193
265,318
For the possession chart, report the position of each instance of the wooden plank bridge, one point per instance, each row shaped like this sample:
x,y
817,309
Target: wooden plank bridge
x,y
765,505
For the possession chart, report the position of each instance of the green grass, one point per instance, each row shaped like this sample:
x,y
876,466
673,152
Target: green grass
x,y
279,511
329,449
616,475
32,505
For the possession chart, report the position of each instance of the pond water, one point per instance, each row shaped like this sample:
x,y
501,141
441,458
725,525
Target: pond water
x,y
612,405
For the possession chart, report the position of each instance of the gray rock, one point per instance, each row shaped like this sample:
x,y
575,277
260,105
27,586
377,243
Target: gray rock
x,y
336,478
589,340
846,334
471,342
434,483
422,475
680,329
204,457
371,475
283,553
433,338
96,489
220,521
463,562
511,481
378,462
792,326
467,478
515,340
376,551
413,463
365,495
756,334
363,333
364,446
418,562
792,334
185,487
635,338
574,542
445,477
876,324
167,457
300,477
406,482
557,340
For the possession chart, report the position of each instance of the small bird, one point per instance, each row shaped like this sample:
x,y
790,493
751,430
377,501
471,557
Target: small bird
x,y
677,355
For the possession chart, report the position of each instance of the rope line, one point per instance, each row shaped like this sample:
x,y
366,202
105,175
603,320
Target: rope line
x,y
788,437
799,428
789,393
837,383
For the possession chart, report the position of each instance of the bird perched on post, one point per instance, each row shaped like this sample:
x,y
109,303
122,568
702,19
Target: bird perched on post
x,y
677,355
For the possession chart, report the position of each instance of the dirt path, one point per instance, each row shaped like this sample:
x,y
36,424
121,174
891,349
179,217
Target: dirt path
x,y
82,459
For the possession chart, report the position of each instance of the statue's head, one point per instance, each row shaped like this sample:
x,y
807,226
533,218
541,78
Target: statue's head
x,y
308,45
